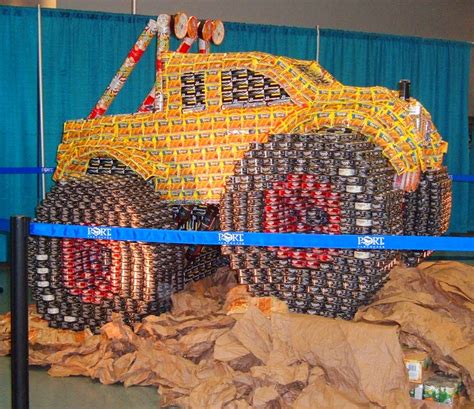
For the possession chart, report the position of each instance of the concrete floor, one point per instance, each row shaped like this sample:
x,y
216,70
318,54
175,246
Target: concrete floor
x,y
76,392
83,393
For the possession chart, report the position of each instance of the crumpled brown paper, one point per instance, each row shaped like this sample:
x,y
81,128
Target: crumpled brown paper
x,y
347,351
323,396
238,301
433,305
43,340
264,357
5,330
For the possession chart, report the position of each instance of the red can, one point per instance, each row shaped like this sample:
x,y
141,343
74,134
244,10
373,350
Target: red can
x,y
333,211
82,284
294,177
282,254
107,295
331,195
285,193
69,284
293,185
104,286
269,200
271,223
291,201
311,255
313,264
295,254
298,263
301,228
320,202
309,185
271,229
87,299
75,291
334,228
309,178
325,258
88,291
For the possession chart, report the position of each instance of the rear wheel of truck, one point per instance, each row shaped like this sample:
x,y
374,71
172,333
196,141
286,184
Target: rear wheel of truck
x,y
79,283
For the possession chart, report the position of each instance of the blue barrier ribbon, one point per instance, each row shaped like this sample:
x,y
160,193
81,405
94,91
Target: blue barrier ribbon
x,y
25,171
4,225
463,178
254,239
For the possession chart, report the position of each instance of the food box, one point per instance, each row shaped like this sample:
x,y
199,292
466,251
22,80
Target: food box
x,y
416,362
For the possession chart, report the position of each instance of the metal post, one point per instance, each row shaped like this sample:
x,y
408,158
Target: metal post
x,y
318,39
42,176
19,231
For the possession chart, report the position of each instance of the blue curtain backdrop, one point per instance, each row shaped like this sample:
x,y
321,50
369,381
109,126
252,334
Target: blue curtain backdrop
x,y
82,51
18,111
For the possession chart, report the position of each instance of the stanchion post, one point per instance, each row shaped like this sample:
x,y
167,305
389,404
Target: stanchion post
x,y
19,230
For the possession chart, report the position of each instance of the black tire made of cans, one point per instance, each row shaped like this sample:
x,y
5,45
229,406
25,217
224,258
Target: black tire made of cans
x,y
427,211
332,181
77,283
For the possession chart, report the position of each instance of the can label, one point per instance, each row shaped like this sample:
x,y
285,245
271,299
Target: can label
x,y
363,222
48,297
362,255
362,206
346,172
354,189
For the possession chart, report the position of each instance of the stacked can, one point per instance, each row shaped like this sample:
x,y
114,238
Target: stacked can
x,y
427,211
243,87
328,182
192,91
200,261
79,283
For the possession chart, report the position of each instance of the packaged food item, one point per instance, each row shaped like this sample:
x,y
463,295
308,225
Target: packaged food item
x,y
442,388
416,362
416,391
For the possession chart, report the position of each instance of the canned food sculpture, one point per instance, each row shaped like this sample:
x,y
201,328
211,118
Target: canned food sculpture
x,y
236,142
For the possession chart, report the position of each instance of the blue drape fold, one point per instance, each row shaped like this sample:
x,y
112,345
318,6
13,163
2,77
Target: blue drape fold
x,y
18,112
82,51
